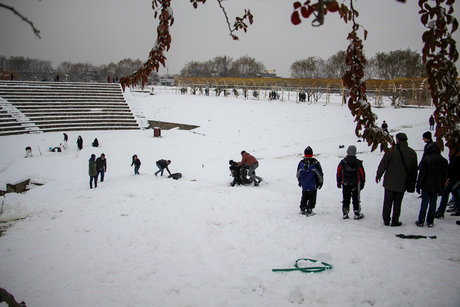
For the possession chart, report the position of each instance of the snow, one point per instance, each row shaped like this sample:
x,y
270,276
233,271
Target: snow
x,y
153,241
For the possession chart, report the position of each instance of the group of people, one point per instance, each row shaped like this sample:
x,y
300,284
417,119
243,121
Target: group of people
x,y
433,176
162,165
97,167
246,167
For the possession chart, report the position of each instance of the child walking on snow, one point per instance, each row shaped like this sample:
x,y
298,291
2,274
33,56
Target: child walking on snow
x,y
137,164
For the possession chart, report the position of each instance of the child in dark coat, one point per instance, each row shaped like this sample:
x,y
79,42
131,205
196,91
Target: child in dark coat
x,y
310,178
137,164
351,178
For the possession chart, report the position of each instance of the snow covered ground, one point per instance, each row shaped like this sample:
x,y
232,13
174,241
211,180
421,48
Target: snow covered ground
x,y
153,241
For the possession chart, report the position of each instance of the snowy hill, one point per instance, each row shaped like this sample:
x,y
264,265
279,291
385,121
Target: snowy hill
x,y
153,241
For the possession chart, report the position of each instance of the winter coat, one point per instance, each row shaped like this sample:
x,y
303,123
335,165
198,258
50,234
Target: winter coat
x,y
433,171
428,144
80,142
247,159
92,168
101,164
351,172
454,171
392,166
310,174
163,163
136,163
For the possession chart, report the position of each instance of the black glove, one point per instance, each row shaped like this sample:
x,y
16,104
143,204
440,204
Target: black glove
x,y
320,185
300,184
418,191
361,185
339,185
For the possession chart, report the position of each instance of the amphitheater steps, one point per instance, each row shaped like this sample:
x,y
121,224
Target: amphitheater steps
x,y
31,107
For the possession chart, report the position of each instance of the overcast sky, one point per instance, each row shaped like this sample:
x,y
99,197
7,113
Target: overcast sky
x,y
104,31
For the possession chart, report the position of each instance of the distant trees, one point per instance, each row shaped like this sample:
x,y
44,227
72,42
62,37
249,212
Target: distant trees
x,y
386,66
397,64
28,69
223,66
310,68
39,70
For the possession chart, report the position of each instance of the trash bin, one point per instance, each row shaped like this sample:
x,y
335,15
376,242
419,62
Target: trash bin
x,y
156,132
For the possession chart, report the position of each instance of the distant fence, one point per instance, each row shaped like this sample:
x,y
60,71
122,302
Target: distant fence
x,y
403,91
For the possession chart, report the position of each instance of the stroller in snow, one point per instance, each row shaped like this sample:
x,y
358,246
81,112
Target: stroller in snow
x,y
239,173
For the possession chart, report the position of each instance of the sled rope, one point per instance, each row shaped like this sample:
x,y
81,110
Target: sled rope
x,y
311,269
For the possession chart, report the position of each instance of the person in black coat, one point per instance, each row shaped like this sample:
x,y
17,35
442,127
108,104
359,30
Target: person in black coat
x,y
393,165
431,122
137,164
162,165
452,185
430,183
80,142
351,178
101,166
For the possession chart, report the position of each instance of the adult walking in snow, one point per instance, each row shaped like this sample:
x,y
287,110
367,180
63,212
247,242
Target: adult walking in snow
x,y
398,165
162,165
351,178
252,164
431,122
80,142
101,166
92,171
431,180
137,164
310,179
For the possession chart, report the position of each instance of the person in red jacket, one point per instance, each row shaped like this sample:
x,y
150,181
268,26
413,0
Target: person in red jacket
x,y
252,163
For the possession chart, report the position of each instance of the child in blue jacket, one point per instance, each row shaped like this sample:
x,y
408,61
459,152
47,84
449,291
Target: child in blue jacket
x,y
310,178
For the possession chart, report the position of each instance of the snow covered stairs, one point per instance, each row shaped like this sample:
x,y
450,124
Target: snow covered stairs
x,y
29,106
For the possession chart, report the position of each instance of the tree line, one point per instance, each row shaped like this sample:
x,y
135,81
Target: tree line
x,y
384,66
41,70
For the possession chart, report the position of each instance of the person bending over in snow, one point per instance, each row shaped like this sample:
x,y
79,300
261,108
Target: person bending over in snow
x,y
162,165
137,164
351,178
238,173
310,178
252,163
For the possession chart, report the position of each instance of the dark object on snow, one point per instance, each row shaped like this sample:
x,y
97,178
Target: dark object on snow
x,y
95,143
18,187
8,298
175,176
414,237
341,146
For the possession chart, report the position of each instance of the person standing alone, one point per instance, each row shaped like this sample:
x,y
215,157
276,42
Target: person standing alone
x,y
310,179
351,178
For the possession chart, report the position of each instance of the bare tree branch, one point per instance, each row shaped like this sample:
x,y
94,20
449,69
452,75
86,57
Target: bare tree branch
x,y
12,9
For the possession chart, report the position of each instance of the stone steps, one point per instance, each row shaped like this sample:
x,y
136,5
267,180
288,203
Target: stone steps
x,y
34,107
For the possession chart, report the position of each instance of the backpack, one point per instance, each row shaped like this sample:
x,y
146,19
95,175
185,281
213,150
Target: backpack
x,y
350,171
175,176
310,174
